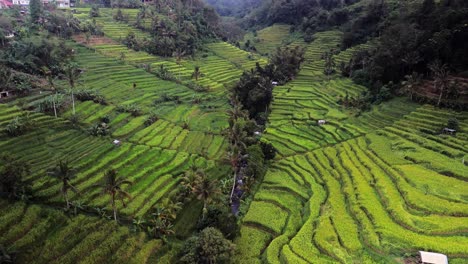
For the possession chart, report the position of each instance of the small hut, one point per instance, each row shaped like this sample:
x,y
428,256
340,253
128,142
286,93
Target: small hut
x,y
321,122
433,258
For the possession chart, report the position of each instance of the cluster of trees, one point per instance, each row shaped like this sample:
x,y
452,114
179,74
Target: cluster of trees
x,y
250,101
308,16
234,8
418,40
174,26
255,87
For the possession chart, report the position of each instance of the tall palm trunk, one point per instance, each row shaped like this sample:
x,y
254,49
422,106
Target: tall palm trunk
x,y
113,207
55,107
65,194
233,184
440,96
73,101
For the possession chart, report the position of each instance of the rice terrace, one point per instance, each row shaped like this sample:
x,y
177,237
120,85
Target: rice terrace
x,y
234,131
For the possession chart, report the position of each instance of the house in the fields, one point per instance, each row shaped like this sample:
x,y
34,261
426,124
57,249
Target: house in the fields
x,y
4,94
59,3
449,131
321,122
433,258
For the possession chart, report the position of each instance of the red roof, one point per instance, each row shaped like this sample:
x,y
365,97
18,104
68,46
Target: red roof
x,y
6,3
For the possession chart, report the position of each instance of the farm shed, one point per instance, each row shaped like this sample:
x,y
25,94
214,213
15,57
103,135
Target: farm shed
x,y
433,258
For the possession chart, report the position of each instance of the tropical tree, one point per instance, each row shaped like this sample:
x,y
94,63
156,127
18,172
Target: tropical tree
x,y
196,73
72,73
440,73
65,173
50,80
112,186
12,172
35,10
330,63
179,54
206,190
411,82
210,246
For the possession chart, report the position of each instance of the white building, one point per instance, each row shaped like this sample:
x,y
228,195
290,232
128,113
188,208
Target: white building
x,y
59,3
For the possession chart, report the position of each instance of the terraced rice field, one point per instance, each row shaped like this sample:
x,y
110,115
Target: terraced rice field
x,y
359,189
49,236
270,38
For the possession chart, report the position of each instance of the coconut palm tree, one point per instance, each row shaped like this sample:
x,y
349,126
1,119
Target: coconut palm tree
x,y
206,190
65,174
72,73
196,73
50,80
440,73
179,54
113,187
411,82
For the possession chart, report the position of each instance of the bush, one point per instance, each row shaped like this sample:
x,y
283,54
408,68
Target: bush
x,y
101,129
221,219
153,118
269,151
47,104
19,125
94,12
133,109
209,246
90,95
452,123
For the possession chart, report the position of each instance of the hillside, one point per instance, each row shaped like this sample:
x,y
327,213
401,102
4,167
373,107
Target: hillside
x,y
337,168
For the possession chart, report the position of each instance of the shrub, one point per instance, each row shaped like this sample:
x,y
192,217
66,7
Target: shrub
x,y
94,12
19,125
209,246
101,129
452,123
133,109
47,104
90,95
151,119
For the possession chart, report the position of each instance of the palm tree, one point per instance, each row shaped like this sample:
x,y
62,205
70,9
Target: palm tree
x,y
329,63
113,186
50,80
411,82
65,174
72,73
196,73
178,54
441,80
206,190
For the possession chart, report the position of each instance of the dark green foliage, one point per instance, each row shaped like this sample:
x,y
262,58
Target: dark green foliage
x,y
151,119
269,151
46,105
90,95
132,42
19,125
208,247
36,11
221,219
255,88
12,173
94,12
133,109
452,123
256,161
32,54
101,129
62,25
412,38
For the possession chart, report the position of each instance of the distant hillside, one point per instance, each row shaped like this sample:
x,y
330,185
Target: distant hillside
x,y
238,8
